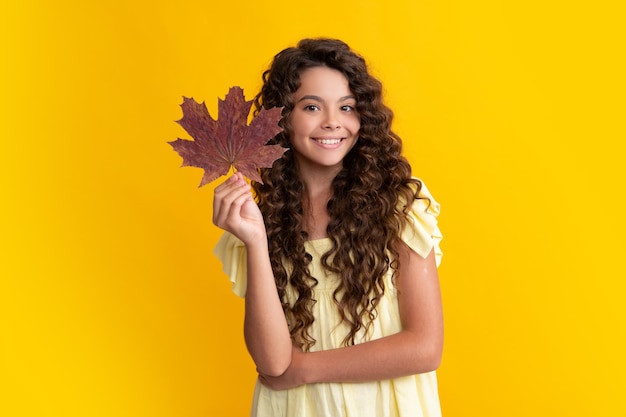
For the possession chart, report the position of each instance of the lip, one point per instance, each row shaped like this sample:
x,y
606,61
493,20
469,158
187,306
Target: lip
x,y
328,141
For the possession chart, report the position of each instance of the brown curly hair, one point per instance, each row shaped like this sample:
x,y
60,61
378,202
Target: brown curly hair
x,y
370,200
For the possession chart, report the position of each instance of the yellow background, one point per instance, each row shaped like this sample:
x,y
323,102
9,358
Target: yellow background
x,y
512,112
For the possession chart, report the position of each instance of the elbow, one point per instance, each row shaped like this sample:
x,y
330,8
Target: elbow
x,y
433,361
431,353
428,359
273,362
271,359
426,363
273,369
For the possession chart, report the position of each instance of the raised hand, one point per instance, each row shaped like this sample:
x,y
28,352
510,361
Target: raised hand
x,y
235,210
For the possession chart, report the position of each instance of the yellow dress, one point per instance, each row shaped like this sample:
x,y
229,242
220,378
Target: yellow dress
x,y
414,396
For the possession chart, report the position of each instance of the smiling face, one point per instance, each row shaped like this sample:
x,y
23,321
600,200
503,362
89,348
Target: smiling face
x,y
324,121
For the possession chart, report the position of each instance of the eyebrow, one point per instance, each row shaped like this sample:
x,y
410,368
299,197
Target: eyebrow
x,y
318,98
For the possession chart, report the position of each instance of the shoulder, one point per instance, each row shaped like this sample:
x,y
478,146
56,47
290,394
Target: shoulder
x,y
232,253
421,232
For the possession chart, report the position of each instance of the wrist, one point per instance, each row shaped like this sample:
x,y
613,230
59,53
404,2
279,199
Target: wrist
x,y
257,241
308,370
253,236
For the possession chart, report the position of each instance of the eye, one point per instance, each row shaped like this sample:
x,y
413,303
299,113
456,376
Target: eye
x,y
347,108
311,107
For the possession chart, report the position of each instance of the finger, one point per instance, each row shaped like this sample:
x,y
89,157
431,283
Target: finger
x,y
228,206
234,210
230,214
228,192
230,183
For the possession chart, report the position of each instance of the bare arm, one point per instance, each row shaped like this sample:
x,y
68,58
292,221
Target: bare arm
x,y
417,348
265,327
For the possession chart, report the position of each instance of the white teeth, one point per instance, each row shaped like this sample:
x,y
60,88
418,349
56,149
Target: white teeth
x,y
328,141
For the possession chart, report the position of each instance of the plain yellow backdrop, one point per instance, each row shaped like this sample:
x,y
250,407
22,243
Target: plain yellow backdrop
x,y
512,112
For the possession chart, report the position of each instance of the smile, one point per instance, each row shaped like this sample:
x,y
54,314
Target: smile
x,y
328,141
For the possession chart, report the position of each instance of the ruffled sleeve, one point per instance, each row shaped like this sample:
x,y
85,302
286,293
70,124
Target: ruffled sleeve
x,y
232,253
421,232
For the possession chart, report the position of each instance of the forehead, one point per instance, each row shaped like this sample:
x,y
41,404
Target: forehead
x,y
323,80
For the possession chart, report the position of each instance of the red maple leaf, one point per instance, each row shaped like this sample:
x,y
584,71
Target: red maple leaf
x,y
218,144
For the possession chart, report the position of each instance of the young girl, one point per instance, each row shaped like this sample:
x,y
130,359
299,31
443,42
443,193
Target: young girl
x,y
337,256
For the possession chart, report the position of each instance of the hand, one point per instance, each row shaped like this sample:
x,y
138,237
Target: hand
x,y
293,376
235,211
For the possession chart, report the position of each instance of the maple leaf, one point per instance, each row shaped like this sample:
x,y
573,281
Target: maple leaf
x,y
229,140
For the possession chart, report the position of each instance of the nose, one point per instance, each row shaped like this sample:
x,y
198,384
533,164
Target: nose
x,y
332,120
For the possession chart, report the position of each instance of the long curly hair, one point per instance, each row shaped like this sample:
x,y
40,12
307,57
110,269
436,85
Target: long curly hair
x,y
371,196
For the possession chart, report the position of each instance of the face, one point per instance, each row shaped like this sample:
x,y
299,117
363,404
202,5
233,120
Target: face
x,y
324,121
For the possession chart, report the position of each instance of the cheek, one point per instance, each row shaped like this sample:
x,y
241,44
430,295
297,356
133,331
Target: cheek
x,y
298,125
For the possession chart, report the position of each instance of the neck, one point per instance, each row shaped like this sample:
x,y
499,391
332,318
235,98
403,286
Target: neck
x,y
318,183
317,192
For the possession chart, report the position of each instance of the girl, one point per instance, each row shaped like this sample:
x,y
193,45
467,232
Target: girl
x,y
337,256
